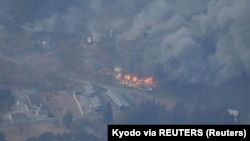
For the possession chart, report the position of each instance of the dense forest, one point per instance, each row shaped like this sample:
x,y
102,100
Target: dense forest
x,y
2,137
6,100
151,113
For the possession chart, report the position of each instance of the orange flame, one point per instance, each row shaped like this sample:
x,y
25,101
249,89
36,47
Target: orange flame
x,y
134,81
119,75
149,80
127,76
135,78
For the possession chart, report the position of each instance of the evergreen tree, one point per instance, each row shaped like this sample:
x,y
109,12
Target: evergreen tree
x,y
6,100
2,136
67,119
108,113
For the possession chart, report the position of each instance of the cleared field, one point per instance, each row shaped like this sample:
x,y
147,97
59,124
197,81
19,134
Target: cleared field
x,y
61,101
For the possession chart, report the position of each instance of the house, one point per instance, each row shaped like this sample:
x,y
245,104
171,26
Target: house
x,y
41,113
88,88
96,103
89,40
117,69
18,117
79,92
34,101
34,104
233,113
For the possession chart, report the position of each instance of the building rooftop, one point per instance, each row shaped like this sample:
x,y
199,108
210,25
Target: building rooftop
x,y
35,100
78,92
95,102
89,89
18,117
233,112
117,98
26,102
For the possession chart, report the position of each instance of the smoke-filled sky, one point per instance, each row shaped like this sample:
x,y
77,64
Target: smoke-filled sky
x,y
196,41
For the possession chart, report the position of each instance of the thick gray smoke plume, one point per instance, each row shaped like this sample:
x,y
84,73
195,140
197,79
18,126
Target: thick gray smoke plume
x,y
200,42
196,41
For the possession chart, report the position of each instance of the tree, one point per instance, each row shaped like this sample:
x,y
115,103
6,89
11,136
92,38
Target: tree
x,y
6,100
68,119
179,114
2,136
196,116
51,115
147,112
107,113
163,115
224,117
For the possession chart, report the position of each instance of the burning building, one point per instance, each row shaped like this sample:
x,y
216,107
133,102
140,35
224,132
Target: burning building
x,y
134,81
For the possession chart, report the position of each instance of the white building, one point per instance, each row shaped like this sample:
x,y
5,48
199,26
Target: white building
x,y
234,113
89,40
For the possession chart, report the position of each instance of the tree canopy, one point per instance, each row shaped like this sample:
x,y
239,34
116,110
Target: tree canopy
x,y
2,136
68,119
6,100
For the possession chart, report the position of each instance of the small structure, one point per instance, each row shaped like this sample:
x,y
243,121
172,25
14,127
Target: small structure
x,y
18,117
79,92
41,113
89,89
43,43
96,36
33,102
96,103
117,69
98,89
35,105
233,113
89,40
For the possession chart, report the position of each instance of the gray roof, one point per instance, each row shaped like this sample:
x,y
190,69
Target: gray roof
x,y
44,111
18,116
95,101
89,89
35,100
117,98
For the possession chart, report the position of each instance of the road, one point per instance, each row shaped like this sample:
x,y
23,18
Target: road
x,y
76,78
30,122
192,102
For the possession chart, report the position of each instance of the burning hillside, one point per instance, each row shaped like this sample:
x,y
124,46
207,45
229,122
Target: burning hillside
x,y
134,81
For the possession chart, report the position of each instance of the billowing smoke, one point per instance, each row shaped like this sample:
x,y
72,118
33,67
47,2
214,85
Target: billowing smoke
x,y
200,43
195,41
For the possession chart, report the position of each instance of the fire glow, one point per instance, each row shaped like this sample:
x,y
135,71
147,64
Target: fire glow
x,y
134,81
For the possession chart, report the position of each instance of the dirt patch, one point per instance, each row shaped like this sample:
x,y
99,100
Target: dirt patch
x,y
54,102
61,101
69,103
